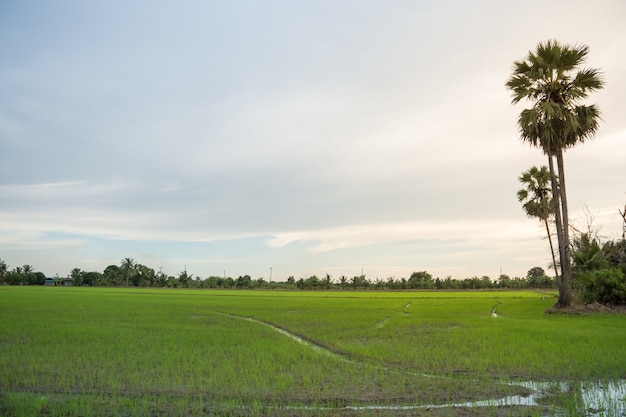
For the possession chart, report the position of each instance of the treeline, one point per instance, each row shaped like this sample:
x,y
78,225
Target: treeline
x,y
133,274
422,280
20,275
599,271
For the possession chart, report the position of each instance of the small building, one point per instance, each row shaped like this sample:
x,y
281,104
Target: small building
x,y
65,282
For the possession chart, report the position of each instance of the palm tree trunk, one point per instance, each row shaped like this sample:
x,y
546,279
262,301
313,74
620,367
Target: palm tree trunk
x,y
554,264
565,298
557,220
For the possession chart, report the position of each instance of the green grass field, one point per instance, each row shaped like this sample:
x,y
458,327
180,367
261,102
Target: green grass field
x,y
147,352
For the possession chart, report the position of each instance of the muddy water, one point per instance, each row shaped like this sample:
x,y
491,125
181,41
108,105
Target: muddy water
x,y
563,398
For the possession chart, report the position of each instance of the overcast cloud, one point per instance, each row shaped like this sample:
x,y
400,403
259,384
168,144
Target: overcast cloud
x,y
308,137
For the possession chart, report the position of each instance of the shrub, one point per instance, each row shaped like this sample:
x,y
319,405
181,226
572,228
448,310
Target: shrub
x,y
606,286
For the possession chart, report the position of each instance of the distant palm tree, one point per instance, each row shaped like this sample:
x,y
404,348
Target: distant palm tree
x,y
3,271
343,281
27,269
128,268
536,197
184,278
552,80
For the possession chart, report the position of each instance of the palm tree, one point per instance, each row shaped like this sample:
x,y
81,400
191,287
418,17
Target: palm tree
x,y
551,78
3,271
536,197
128,268
77,276
184,278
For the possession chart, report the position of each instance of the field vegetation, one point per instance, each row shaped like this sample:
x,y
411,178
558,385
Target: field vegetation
x,y
150,352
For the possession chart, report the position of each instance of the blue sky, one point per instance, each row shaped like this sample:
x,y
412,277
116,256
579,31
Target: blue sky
x,y
306,137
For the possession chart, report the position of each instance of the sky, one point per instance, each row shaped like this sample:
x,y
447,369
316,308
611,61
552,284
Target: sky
x,y
290,138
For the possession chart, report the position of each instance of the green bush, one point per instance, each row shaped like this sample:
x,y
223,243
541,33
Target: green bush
x,y
606,286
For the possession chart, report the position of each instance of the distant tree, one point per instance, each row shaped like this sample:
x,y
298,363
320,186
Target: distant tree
x,y
312,282
3,271
504,281
421,280
92,278
40,278
77,277
196,283
343,282
451,284
128,268
144,276
184,278
379,284
32,278
161,279
359,281
112,275
473,283
211,282
535,273
15,276
536,278
326,282
486,281
243,281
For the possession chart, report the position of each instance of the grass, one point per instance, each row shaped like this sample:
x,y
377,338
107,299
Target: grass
x,y
102,351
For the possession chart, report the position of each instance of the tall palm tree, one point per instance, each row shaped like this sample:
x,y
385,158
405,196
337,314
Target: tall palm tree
x,y
128,267
536,197
553,81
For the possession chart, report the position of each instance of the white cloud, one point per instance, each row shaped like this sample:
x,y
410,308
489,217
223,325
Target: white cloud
x,y
316,136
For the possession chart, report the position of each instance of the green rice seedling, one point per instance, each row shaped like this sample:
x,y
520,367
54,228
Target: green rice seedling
x,y
166,352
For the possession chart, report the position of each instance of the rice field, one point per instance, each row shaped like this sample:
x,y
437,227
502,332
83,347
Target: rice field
x,y
154,352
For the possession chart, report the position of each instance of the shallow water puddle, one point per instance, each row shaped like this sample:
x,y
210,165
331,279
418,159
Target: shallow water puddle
x,y
590,398
601,399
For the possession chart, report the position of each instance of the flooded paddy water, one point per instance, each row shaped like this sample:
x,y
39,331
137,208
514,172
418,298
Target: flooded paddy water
x,y
553,398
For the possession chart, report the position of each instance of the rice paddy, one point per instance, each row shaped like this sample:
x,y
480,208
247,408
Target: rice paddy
x,y
131,352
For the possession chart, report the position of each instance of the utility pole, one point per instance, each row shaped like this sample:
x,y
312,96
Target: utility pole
x,y
271,274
